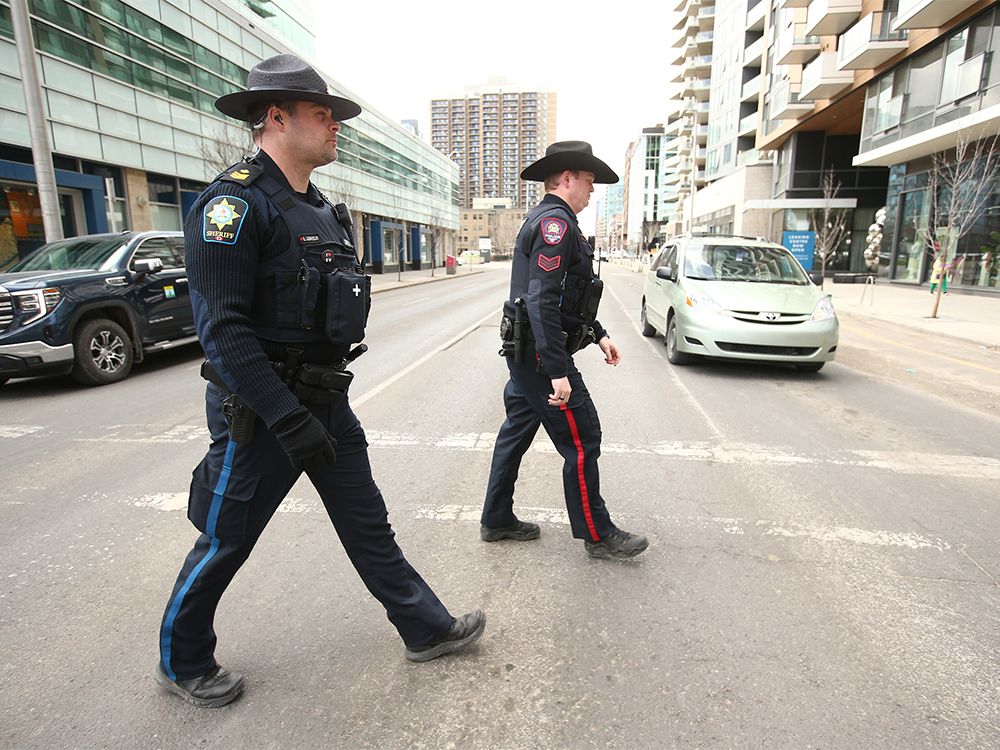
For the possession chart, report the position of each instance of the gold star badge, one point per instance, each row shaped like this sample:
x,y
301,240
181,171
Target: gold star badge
x,y
223,214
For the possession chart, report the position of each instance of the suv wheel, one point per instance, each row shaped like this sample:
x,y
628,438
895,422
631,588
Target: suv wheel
x,y
675,355
647,329
103,352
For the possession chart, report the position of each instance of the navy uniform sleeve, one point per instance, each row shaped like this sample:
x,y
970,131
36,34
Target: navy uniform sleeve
x,y
552,243
223,238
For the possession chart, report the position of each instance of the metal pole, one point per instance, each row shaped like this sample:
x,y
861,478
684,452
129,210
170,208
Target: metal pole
x,y
38,128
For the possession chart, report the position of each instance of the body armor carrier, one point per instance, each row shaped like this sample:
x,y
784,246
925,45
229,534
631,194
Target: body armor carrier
x,y
316,290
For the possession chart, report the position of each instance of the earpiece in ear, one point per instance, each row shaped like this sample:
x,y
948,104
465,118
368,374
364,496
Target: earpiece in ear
x,y
277,118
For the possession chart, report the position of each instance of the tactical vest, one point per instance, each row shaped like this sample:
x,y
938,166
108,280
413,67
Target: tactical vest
x,y
316,290
581,292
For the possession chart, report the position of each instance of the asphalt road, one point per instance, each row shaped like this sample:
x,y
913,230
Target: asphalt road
x,y
823,567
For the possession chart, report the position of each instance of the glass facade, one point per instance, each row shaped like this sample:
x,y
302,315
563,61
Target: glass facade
x,y
957,76
135,89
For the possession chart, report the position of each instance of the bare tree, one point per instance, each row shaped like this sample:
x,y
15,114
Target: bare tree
x,y
829,223
228,147
959,189
504,226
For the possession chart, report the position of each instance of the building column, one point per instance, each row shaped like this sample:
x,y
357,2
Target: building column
x,y
137,196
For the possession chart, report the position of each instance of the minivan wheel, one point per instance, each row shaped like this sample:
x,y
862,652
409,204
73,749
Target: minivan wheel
x,y
647,329
102,352
675,355
811,367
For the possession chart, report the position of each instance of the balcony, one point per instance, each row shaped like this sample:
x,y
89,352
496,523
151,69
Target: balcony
x,y
928,14
870,42
748,125
697,87
821,78
754,54
699,65
756,15
751,156
793,3
701,111
826,17
706,18
693,6
751,89
794,48
672,178
701,134
703,40
700,154
785,104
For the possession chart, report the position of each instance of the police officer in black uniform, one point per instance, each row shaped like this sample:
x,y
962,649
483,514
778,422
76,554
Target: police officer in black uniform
x,y
550,315
280,297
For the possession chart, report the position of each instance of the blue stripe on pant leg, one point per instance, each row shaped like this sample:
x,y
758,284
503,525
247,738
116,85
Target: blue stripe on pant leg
x,y
213,517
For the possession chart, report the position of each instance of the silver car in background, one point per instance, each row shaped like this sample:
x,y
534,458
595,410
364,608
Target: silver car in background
x,y
737,298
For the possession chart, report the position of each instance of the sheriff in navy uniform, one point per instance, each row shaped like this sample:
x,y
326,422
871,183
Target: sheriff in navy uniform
x,y
551,314
280,297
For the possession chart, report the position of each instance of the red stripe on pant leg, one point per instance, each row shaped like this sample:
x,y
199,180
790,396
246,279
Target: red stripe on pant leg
x,y
584,497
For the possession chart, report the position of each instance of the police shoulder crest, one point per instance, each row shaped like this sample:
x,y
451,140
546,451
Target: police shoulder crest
x,y
553,230
223,217
241,174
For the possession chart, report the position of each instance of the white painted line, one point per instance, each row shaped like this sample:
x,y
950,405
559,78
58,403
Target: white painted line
x,y
357,402
670,368
418,301
19,430
176,502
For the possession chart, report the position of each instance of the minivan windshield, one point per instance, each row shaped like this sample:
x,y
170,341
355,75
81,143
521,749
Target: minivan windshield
x,y
70,255
765,265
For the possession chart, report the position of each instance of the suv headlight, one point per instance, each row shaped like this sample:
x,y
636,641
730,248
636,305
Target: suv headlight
x,y
704,304
36,304
823,309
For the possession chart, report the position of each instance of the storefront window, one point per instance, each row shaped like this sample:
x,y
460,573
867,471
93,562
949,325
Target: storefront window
x,y
914,210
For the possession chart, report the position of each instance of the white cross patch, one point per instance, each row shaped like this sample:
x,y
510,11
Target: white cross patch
x,y
356,290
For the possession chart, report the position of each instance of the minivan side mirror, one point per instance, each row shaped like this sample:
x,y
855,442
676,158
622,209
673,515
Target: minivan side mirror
x,y
668,273
147,265
816,277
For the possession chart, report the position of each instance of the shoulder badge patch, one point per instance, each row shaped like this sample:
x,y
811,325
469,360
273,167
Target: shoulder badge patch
x,y
549,264
223,219
240,174
553,231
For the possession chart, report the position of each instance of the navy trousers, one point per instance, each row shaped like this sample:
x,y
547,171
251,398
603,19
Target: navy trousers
x,y
236,489
575,431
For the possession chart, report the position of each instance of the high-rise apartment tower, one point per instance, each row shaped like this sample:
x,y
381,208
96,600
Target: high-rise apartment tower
x,y
492,133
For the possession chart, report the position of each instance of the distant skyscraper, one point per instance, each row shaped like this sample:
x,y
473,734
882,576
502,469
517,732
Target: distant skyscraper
x,y
492,133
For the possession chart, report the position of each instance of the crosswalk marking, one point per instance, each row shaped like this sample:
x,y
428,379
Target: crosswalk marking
x,y
742,527
710,451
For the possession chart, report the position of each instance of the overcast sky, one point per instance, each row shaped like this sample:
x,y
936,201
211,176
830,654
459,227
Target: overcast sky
x,y
607,62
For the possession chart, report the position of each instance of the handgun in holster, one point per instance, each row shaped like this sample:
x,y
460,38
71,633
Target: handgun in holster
x,y
522,330
238,415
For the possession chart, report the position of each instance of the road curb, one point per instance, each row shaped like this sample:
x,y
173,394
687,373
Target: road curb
x,y
418,282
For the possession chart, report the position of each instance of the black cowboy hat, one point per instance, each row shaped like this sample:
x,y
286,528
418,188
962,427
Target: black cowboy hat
x,y
284,77
571,155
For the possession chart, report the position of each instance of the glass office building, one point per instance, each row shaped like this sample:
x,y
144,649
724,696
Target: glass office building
x,y
128,88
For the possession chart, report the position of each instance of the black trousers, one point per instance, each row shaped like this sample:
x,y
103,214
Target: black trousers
x,y
574,429
236,489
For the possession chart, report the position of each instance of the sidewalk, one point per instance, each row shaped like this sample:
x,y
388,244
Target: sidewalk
x,y
969,317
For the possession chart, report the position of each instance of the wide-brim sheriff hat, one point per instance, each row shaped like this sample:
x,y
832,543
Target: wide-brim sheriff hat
x,y
284,78
571,155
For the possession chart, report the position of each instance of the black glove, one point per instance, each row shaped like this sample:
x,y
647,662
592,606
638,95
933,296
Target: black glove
x,y
304,438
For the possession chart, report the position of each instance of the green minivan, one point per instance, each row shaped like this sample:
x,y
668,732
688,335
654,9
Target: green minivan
x,y
737,298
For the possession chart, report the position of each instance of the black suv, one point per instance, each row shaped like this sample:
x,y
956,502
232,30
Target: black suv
x,y
93,306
